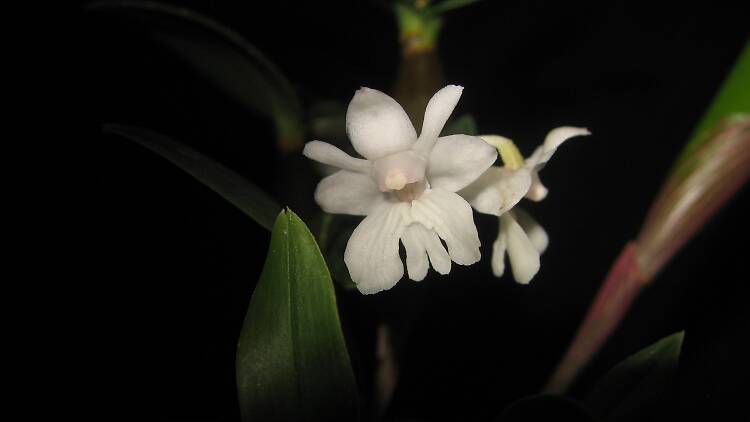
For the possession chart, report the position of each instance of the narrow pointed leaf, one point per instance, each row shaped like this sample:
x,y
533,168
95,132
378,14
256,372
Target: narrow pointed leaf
x,y
292,363
231,186
636,384
225,58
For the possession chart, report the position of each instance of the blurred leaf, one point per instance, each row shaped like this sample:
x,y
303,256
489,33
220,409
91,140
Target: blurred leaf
x,y
231,186
327,122
224,57
463,125
637,383
733,98
292,363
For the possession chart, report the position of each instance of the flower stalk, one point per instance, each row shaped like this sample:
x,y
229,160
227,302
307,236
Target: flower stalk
x,y
420,73
418,27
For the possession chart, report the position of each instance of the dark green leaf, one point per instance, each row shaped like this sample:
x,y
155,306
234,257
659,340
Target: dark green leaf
x,y
463,125
292,363
224,57
327,122
230,185
637,383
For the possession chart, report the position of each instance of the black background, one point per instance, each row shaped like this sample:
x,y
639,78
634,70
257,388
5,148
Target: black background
x,y
178,264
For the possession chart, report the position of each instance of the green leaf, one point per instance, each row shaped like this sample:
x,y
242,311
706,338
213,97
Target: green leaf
x,y
464,125
637,383
225,58
231,186
292,363
327,121
733,98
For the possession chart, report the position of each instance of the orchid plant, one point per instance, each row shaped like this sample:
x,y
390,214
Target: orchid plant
x,y
416,191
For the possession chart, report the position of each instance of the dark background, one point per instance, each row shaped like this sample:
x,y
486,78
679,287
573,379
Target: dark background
x,y
178,264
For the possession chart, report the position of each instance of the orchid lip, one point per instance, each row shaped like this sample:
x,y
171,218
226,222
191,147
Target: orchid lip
x,y
411,191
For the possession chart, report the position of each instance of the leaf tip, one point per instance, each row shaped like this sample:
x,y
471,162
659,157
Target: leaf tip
x,y
290,217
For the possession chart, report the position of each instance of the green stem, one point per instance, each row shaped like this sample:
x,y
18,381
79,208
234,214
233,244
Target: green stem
x,y
418,28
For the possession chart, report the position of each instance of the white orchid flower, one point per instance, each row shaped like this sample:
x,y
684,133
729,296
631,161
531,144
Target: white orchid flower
x,y
405,186
498,191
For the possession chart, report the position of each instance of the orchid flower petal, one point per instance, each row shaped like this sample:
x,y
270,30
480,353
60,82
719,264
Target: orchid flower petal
x,y
371,254
524,257
326,153
377,125
346,192
438,110
417,263
420,243
458,160
557,136
552,141
451,218
497,190
439,257
535,232
498,253
537,190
